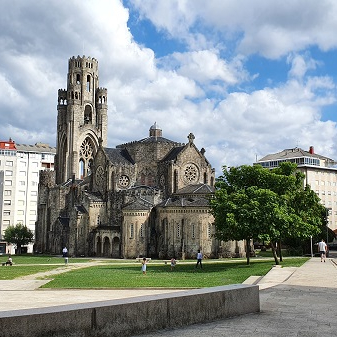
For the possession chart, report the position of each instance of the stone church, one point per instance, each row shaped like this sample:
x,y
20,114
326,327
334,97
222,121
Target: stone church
x,y
147,197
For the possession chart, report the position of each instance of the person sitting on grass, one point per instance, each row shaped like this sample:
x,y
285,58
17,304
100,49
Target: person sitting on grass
x,y
9,262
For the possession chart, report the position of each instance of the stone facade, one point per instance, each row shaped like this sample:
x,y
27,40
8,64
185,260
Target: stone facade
x,y
143,198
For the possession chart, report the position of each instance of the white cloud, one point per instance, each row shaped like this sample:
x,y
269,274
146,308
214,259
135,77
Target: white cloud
x,y
271,30
200,89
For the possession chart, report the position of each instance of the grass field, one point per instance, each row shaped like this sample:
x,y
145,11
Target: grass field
x,y
109,273
160,276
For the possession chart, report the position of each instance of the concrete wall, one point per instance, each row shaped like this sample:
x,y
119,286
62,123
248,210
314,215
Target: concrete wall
x,y
132,316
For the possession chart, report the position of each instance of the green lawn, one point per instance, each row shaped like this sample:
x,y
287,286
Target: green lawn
x,y
160,276
10,273
40,259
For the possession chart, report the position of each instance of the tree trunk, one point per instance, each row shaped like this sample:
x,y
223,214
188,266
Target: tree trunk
x,y
248,251
273,249
279,248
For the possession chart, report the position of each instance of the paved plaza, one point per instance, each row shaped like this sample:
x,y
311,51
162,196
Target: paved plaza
x,y
294,302
301,302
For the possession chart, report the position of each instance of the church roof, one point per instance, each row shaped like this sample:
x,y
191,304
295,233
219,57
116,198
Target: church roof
x,y
173,153
64,221
196,189
151,139
81,209
185,202
119,156
94,196
139,204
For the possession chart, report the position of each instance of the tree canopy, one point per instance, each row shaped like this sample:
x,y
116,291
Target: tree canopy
x,y
18,235
252,202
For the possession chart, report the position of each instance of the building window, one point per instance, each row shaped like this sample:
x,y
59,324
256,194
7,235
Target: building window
x,y
9,163
20,212
8,182
6,223
22,183
7,202
7,193
193,231
141,231
33,193
32,212
34,183
178,230
132,231
7,213
209,231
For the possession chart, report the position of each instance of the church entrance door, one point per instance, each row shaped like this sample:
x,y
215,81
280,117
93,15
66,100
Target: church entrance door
x,y
106,247
115,248
99,247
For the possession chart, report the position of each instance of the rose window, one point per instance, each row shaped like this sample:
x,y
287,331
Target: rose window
x,y
86,150
124,181
191,173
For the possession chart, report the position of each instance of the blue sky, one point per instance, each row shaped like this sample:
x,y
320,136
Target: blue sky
x,y
248,78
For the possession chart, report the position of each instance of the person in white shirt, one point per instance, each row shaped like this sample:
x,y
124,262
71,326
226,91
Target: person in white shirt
x,y
199,259
322,248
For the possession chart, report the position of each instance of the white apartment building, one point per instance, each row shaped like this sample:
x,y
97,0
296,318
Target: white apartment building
x,y
20,165
320,174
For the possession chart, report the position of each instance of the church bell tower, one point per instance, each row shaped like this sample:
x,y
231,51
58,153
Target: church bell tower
x,y
82,120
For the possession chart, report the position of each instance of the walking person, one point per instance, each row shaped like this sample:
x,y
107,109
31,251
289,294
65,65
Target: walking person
x,y
322,248
65,255
199,259
144,262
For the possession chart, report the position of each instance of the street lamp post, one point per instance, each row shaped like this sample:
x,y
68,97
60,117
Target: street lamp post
x,y
327,224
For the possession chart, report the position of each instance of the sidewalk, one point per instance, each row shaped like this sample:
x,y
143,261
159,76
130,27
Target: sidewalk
x,y
302,304
294,302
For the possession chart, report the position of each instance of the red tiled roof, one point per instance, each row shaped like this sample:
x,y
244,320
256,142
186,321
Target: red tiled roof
x,y
7,145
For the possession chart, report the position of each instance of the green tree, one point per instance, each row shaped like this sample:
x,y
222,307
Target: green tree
x,y
18,235
252,202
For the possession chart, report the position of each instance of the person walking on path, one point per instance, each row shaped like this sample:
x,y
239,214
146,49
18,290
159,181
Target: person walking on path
x,y
65,255
322,247
199,259
144,262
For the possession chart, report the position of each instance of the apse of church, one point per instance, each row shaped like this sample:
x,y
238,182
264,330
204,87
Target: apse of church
x,y
147,197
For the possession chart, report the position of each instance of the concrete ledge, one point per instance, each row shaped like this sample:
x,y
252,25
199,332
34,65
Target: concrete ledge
x,y
132,316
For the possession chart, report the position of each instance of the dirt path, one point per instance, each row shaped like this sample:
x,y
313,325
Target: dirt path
x,y
60,270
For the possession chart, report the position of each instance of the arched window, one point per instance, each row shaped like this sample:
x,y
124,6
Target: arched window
x,y
89,167
205,178
87,114
81,169
175,183
141,232
78,79
88,82
132,231
86,155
